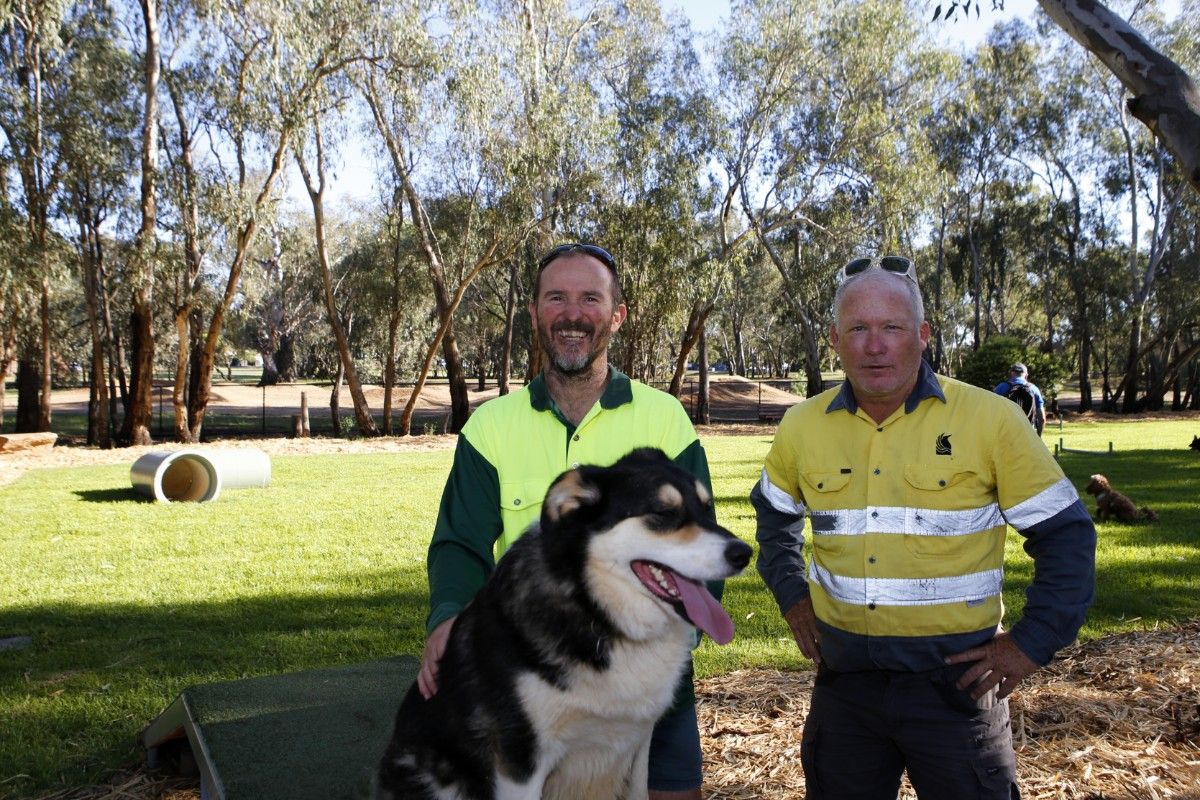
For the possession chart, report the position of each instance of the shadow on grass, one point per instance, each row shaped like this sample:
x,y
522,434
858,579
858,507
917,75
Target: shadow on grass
x,y
97,673
111,495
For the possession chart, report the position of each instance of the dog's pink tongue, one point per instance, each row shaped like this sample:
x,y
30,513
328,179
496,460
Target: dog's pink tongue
x,y
704,611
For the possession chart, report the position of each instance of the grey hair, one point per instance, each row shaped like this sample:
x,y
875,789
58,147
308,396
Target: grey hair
x,y
910,288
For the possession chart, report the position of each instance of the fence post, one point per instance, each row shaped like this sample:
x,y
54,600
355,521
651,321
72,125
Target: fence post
x,y
264,410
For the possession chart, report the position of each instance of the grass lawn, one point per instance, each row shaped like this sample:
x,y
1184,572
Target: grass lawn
x,y
129,602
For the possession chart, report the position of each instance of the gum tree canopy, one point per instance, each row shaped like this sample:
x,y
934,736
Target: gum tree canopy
x,y
1163,96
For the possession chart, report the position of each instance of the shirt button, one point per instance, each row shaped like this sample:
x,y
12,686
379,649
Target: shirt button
x,y
517,502
877,471
874,513
871,606
871,559
575,465
577,437
820,485
941,483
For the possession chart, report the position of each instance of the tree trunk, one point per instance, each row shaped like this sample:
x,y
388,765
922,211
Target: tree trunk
x,y
98,409
198,402
5,361
28,383
139,413
697,317
47,358
182,358
701,415
739,346
139,408
335,400
510,319
285,356
316,193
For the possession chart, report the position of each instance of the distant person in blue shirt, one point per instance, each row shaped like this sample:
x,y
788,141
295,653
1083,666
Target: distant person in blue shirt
x,y
1018,389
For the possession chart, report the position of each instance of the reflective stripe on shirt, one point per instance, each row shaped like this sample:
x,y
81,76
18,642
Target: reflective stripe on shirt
x,y
859,591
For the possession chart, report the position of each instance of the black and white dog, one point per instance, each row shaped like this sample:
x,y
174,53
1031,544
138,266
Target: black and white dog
x,y
555,674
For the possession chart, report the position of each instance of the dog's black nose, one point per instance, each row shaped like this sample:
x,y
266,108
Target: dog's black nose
x,y
737,553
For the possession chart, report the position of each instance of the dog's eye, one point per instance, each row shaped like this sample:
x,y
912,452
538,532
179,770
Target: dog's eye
x,y
663,517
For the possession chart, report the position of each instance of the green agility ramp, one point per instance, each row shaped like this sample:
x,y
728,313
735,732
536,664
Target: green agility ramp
x,y
314,735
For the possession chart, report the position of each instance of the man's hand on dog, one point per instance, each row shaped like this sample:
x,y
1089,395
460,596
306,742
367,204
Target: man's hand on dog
x,y
998,663
803,622
435,645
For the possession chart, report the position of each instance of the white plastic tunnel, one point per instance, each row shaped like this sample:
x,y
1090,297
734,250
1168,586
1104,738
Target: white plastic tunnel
x,y
199,475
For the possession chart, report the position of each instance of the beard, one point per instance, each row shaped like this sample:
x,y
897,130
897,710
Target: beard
x,y
571,361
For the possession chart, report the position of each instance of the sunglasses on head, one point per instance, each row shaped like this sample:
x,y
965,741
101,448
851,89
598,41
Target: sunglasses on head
x,y
896,264
598,253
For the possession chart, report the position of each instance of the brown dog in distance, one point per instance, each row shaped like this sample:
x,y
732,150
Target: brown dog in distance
x,y
1111,503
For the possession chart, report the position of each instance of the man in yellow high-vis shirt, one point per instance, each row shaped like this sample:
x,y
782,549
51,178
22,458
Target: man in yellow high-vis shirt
x,y
578,410
909,481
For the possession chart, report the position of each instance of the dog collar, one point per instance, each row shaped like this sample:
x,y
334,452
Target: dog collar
x,y
1101,496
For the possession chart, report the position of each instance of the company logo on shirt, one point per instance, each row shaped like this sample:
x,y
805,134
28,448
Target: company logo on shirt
x,y
943,445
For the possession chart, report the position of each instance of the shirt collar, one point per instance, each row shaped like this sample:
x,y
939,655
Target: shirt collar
x,y
927,386
617,392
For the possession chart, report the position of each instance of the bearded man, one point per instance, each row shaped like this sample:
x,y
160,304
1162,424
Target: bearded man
x,y
578,410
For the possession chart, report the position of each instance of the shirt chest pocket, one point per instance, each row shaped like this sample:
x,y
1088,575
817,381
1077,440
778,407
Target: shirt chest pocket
x,y
820,486
520,496
936,485
939,503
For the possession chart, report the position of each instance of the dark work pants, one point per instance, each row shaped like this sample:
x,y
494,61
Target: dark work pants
x,y
866,728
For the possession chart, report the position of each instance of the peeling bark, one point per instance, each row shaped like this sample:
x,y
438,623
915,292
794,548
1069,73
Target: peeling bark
x,y
1164,97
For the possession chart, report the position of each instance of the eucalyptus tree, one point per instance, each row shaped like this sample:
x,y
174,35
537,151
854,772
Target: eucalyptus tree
x,y
652,191
192,207
139,411
315,183
1163,95
754,283
11,247
974,138
817,120
471,139
1144,178
98,144
35,43
1060,130
255,70
281,296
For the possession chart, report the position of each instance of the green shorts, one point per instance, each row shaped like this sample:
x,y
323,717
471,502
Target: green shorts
x,y
675,761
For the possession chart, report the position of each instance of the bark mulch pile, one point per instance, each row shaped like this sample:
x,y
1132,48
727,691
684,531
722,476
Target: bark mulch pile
x,y
1117,718
1114,719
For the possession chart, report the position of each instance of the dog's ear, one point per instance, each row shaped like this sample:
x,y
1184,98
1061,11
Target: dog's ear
x,y
643,457
569,493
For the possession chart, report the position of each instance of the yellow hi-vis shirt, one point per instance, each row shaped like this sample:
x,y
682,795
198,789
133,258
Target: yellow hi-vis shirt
x,y
908,516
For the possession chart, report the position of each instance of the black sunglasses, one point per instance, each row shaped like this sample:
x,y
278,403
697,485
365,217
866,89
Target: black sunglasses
x,y
897,264
598,253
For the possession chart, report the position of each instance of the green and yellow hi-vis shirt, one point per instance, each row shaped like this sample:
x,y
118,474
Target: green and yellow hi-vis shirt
x,y
511,450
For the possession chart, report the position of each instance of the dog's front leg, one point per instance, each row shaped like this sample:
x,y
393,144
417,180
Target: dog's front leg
x,y
639,774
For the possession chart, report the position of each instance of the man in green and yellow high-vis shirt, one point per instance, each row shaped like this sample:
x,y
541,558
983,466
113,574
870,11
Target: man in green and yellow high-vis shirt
x,y
578,410
909,481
